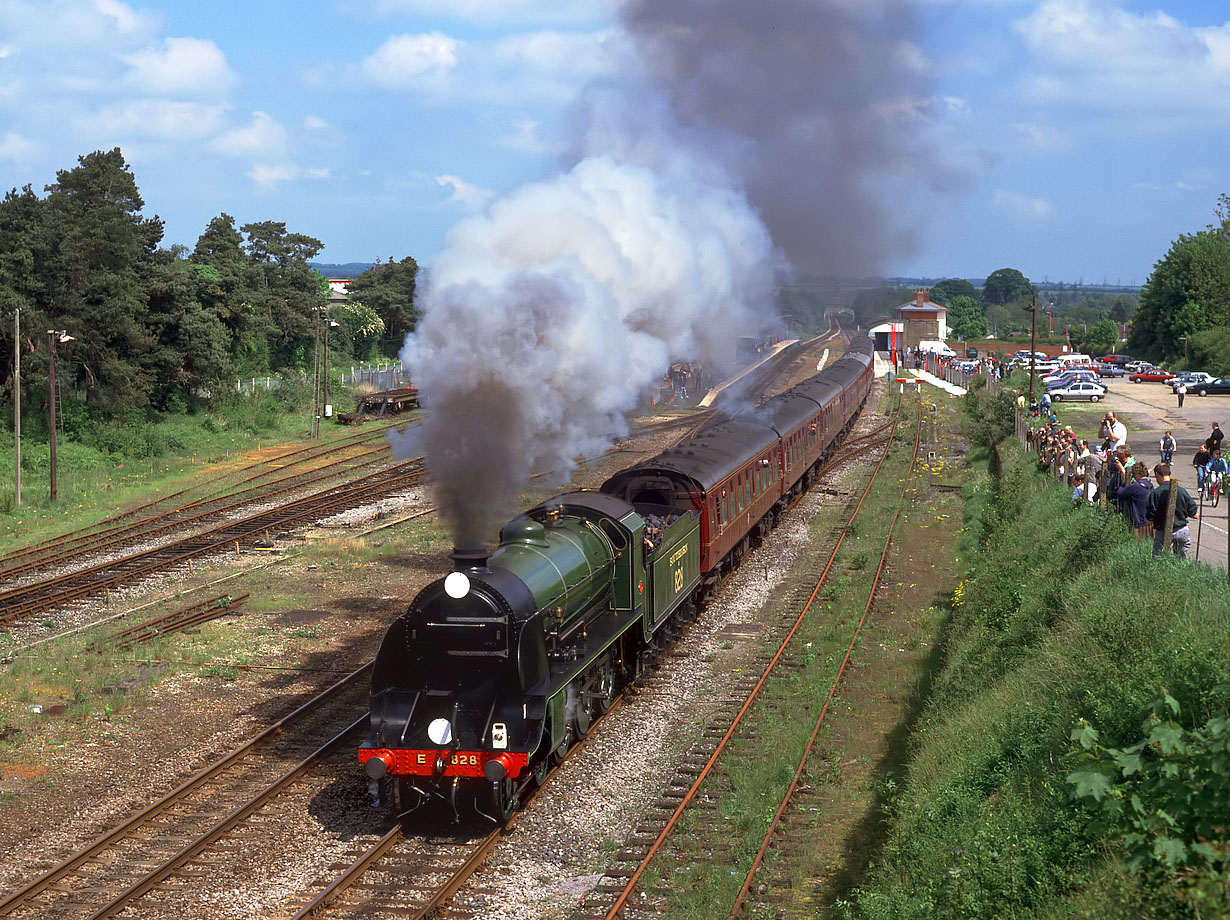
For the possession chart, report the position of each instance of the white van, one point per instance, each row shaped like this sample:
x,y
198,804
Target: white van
x,y
1065,360
936,347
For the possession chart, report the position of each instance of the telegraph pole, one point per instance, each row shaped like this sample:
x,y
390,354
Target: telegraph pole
x,y
1033,337
17,407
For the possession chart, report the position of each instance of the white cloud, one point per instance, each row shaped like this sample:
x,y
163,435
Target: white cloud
x,y
494,11
270,174
262,136
410,61
469,196
181,67
1095,56
15,147
525,135
1042,137
1022,205
125,18
543,65
154,118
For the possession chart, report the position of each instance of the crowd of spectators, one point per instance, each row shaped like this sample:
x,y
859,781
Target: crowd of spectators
x,y
1105,471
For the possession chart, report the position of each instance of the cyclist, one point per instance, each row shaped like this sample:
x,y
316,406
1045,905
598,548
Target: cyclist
x,y
1199,462
1166,447
1214,474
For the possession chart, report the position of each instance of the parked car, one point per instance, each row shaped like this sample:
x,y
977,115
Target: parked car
x,y
1191,378
1082,389
1216,387
1106,369
1155,374
1068,377
1133,367
1117,360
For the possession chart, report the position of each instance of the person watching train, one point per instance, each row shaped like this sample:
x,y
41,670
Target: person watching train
x,y
1185,509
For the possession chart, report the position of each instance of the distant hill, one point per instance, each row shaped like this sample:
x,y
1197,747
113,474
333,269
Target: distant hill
x,y
344,270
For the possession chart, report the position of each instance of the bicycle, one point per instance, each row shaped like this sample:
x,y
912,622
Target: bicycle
x,y
1214,483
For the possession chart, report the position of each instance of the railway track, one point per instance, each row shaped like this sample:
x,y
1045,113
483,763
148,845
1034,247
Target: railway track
x,y
170,841
56,591
709,772
221,496
197,834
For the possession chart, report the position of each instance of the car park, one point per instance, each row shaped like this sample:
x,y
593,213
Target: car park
x,y
1068,377
1191,378
1081,389
1216,387
1152,374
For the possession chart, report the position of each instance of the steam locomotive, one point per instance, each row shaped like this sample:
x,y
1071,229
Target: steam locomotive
x,y
495,670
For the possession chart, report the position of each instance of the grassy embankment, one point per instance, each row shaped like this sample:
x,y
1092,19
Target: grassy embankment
x,y
102,466
1073,757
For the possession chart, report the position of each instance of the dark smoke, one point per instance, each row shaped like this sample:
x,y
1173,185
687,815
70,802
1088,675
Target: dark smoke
x,y
738,132
817,107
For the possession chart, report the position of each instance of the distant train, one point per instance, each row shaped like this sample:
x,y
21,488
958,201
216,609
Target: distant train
x,y
498,668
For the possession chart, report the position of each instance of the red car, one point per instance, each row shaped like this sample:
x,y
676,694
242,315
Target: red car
x,y
1153,373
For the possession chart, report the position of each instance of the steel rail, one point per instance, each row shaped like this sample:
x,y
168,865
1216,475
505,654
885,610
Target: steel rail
x,y
32,889
154,877
208,508
758,859
88,531
656,846
43,595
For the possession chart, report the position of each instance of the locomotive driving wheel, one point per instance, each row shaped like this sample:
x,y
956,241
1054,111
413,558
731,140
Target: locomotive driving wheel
x,y
601,693
503,800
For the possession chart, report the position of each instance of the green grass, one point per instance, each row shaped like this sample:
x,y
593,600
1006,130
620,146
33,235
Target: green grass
x,y
1062,616
102,466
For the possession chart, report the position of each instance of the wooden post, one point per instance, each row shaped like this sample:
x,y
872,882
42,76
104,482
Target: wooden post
x,y
1171,501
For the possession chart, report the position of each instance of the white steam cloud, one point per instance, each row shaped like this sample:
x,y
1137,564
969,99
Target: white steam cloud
x,y
547,317
736,133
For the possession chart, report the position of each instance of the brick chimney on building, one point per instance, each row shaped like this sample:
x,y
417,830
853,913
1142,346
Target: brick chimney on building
x,y
921,296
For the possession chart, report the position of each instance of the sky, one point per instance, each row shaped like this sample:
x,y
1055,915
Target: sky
x,y
1073,140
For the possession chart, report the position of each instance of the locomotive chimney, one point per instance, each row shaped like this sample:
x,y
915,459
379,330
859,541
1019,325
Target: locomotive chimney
x,y
469,560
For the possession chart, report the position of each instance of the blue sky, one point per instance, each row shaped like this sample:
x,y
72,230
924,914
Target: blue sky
x,y
1074,139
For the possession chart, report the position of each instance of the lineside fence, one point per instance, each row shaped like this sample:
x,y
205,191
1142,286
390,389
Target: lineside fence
x,y
378,377
1064,464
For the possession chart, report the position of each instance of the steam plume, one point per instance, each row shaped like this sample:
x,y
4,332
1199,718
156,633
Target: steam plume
x,y
545,318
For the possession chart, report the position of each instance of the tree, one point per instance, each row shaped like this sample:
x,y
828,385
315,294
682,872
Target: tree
x,y
965,318
284,292
101,259
190,350
389,290
944,292
1006,285
1188,291
1101,338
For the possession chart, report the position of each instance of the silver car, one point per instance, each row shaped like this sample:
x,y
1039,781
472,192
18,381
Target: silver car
x,y
1081,389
